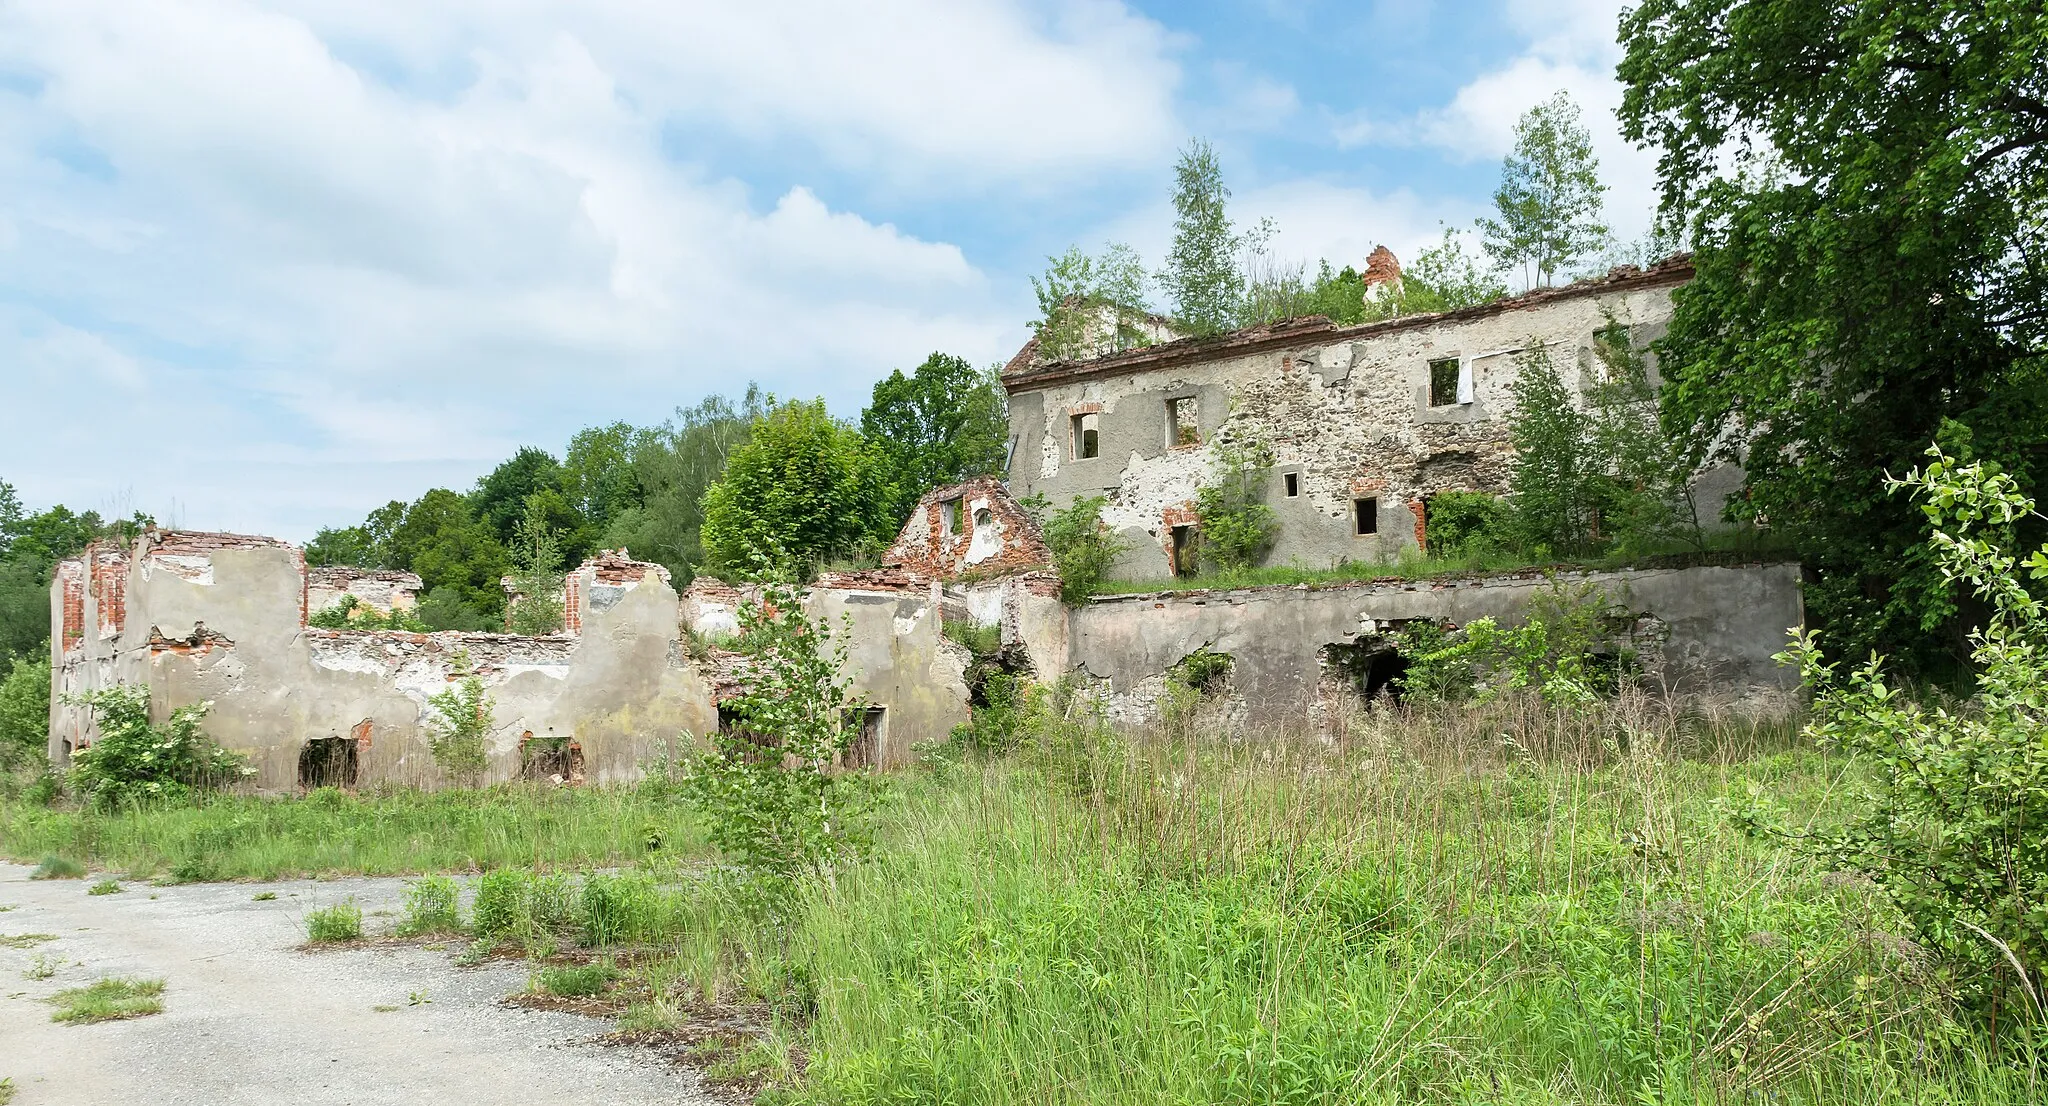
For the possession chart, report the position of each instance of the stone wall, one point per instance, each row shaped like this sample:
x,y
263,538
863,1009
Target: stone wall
x,y
1705,631
1347,410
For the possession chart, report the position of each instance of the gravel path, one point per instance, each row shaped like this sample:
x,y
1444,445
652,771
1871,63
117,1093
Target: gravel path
x,y
248,1018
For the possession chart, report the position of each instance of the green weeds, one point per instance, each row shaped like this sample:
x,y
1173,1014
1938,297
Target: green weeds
x,y
108,1000
58,867
432,905
341,922
576,981
105,887
24,940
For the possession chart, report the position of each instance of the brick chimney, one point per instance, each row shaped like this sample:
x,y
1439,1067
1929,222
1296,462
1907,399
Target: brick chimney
x,y
1382,274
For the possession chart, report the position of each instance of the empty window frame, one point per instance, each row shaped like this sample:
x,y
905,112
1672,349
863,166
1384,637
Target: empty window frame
x,y
1087,436
1187,544
949,517
1365,516
1443,382
1290,485
1183,422
864,743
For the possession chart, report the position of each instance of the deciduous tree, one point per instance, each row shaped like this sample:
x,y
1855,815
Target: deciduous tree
x,y
1549,195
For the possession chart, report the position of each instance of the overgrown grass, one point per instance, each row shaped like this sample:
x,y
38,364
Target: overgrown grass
x,y
1720,548
57,867
575,980
108,1000
331,832
1511,904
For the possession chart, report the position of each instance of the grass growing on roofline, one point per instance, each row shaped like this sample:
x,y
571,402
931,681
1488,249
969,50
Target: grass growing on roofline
x,y
1722,548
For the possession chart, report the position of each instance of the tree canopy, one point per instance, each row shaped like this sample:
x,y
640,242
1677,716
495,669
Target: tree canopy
x,y
1865,185
1549,195
802,491
943,423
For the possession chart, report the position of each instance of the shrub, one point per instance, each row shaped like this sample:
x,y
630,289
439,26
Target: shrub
x,y
351,613
25,712
1202,671
57,867
1951,822
341,922
1468,524
135,760
1550,653
432,905
462,720
1083,549
1237,526
766,785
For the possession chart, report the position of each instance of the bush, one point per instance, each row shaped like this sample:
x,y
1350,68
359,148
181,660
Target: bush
x,y
767,787
134,760
1083,549
58,867
341,922
1951,822
351,613
1551,653
1237,526
25,712
1468,524
462,720
432,905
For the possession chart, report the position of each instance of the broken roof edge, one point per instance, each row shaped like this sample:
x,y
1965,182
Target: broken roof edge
x,y
1020,373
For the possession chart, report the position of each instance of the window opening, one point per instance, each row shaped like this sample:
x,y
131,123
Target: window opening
x,y
1087,440
328,762
1443,382
983,520
864,750
554,758
949,516
1183,422
1366,515
1292,483
1187,543
1372,666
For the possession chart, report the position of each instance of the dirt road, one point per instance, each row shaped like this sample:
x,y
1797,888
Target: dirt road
x,y
248,1018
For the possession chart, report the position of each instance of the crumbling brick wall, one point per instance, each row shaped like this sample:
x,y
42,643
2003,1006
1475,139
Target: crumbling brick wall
x,y
973,528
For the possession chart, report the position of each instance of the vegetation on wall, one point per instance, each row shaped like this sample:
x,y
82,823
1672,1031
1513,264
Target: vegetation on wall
x,y
1863,184
1201,277
1238,528
1090,305
460,723
1083,548
134,760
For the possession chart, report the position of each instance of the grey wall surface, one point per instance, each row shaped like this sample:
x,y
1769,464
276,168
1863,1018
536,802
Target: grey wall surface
x,y
1723,625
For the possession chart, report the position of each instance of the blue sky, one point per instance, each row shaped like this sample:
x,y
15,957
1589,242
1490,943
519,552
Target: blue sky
x,y
264,266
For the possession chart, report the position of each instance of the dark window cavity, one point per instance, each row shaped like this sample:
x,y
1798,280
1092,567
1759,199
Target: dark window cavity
x,y
1087,442
1443,382
1365,516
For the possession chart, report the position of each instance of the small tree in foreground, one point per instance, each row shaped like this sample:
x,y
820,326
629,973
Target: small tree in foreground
x,y
135,760
462,720
1954,821
774,803
1083,549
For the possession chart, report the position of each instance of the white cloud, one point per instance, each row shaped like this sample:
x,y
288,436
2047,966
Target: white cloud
x,y
1570,46
283,263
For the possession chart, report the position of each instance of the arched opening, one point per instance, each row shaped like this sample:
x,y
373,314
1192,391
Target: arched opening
x,y
1371,666
328,762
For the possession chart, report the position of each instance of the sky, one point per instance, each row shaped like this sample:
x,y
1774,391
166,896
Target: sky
x,y
266,266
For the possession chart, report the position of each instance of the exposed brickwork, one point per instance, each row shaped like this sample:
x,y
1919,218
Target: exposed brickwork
x,y
71,575
993,537
874,579
1381,267
1421,509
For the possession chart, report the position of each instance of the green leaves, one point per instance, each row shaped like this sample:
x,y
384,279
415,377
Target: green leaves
x,y
1201,276
1549,195
1237,525
134,760
1951,823
462,720
1865,186
801,491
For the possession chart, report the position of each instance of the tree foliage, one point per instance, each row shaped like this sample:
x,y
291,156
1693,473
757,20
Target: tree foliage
x,y
1201,277
1951,822
25,712
802,491
134,760
1237,525
1548,202
673,464
460,725
31,544
1865,186
774,803
1089,306
943,423
1083,548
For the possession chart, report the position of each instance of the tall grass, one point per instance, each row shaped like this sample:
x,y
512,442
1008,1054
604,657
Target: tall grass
x,y
1509,905
332,832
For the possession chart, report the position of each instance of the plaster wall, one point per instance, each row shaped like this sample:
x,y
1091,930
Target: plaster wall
x,y
1712,630
1346,410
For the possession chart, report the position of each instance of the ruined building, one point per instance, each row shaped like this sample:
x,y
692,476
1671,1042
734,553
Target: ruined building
x,y
1365,422
1368,422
